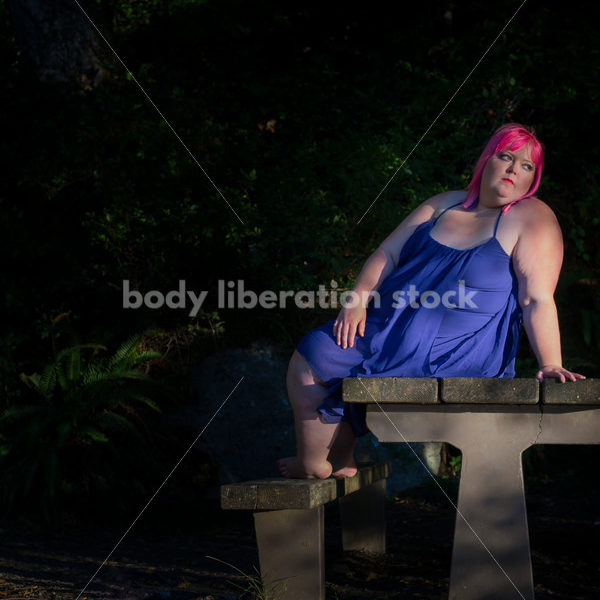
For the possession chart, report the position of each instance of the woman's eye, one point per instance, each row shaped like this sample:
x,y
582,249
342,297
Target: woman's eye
x,y
528,167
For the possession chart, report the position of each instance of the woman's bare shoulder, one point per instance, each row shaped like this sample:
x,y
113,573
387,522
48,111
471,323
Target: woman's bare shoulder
x,y
532,213
532,205
446,199
540,239
432,207
538,231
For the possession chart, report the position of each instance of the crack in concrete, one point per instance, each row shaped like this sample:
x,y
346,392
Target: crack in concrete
x,y
537,437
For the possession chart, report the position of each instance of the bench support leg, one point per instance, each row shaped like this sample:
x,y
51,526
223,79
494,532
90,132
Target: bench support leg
x,y
291,552
363,518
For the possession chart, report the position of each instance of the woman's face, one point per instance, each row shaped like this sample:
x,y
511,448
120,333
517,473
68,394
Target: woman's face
x,y
508,175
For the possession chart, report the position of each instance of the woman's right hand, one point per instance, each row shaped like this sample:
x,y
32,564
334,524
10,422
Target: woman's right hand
x,y
348,322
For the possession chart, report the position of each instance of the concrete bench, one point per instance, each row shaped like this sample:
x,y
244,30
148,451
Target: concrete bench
x,y
492,421
289,523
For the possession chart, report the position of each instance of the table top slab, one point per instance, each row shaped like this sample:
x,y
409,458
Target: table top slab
x,y
582,391
470,390
398,390
488,390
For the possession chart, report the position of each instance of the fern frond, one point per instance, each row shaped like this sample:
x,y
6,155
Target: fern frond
x,y
112,421
125,353
31,381
92,373
73,365
19,413
47,382
134,374
66,351
60,376
145,400
147,355
94,434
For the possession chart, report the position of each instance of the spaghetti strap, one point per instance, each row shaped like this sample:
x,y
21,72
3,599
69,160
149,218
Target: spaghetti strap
x,y
447,208
453,205
497,221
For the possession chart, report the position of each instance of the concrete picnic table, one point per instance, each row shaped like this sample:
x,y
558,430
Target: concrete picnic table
x,y
492,421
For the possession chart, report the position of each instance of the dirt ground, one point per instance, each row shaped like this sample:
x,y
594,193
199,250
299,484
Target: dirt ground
x,y
564,525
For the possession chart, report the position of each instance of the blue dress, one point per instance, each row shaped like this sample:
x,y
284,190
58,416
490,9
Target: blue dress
x,y
466,325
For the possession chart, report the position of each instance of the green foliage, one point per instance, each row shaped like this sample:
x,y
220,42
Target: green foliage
x,y
300,116
82,423
455,464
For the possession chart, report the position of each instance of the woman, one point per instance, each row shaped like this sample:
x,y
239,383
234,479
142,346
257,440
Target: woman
x,y
449,289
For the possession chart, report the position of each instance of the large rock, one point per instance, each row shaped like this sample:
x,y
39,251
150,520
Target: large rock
x,y
255,426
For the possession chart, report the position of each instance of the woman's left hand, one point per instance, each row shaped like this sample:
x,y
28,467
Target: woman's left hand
x,y
557,371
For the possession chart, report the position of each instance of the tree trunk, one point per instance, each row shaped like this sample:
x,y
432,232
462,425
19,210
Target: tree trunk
x,y
58,43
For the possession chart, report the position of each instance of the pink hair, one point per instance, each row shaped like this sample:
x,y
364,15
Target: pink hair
x,y
512,136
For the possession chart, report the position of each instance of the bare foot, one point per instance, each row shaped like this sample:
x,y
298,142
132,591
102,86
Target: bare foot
x,y
349,470
289,467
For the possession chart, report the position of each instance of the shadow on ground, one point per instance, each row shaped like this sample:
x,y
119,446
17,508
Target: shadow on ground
x,y
174,565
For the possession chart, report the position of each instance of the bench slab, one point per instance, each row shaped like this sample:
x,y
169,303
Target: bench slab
x,y
279,493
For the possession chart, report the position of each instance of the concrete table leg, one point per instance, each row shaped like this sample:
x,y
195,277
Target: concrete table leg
x,y
363,518
291,552
491,558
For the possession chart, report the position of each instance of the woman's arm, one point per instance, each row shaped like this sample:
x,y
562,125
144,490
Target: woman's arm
x,y
537,260
379,265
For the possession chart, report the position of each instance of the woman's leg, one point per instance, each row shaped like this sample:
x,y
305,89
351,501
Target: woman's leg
x,y
341,455
316,440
